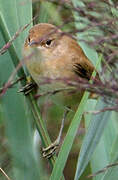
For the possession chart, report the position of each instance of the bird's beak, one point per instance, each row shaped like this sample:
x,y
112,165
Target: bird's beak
x,y
32,43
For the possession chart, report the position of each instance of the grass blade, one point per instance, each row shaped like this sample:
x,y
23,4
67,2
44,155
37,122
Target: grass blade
x,y
92,138
16,116
67,144
112,172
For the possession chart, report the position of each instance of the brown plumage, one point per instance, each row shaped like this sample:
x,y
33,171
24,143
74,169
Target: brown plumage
x,y
56,55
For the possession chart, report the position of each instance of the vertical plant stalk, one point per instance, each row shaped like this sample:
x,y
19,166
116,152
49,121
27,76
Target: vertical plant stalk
x,y
41,126
35,109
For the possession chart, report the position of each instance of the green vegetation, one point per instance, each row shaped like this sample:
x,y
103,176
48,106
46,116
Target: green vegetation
x,y
80,154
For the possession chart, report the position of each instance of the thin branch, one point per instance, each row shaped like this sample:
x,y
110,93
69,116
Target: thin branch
x,y
10,80
9,43
3,172
12,83
114,108
103,170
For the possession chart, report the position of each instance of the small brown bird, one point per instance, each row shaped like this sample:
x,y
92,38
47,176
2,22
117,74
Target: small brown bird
x,y
56,55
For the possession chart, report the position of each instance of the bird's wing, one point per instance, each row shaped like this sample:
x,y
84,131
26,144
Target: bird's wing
x,y
83,70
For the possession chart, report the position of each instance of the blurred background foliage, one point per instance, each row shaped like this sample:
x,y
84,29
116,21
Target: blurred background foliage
x,y
94,25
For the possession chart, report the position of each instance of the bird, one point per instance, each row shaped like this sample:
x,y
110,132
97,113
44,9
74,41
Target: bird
x,y
57,56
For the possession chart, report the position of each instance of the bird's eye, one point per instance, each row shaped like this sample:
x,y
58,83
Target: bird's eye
x,y
48,42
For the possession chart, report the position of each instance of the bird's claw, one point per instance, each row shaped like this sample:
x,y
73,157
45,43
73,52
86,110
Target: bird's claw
x,y
27,88
50,150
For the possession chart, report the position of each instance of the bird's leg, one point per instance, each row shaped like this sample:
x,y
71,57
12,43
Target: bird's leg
x,y
28,87
50,150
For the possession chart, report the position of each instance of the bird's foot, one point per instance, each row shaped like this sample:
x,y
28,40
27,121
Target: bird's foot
x,y
29,87
51,149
